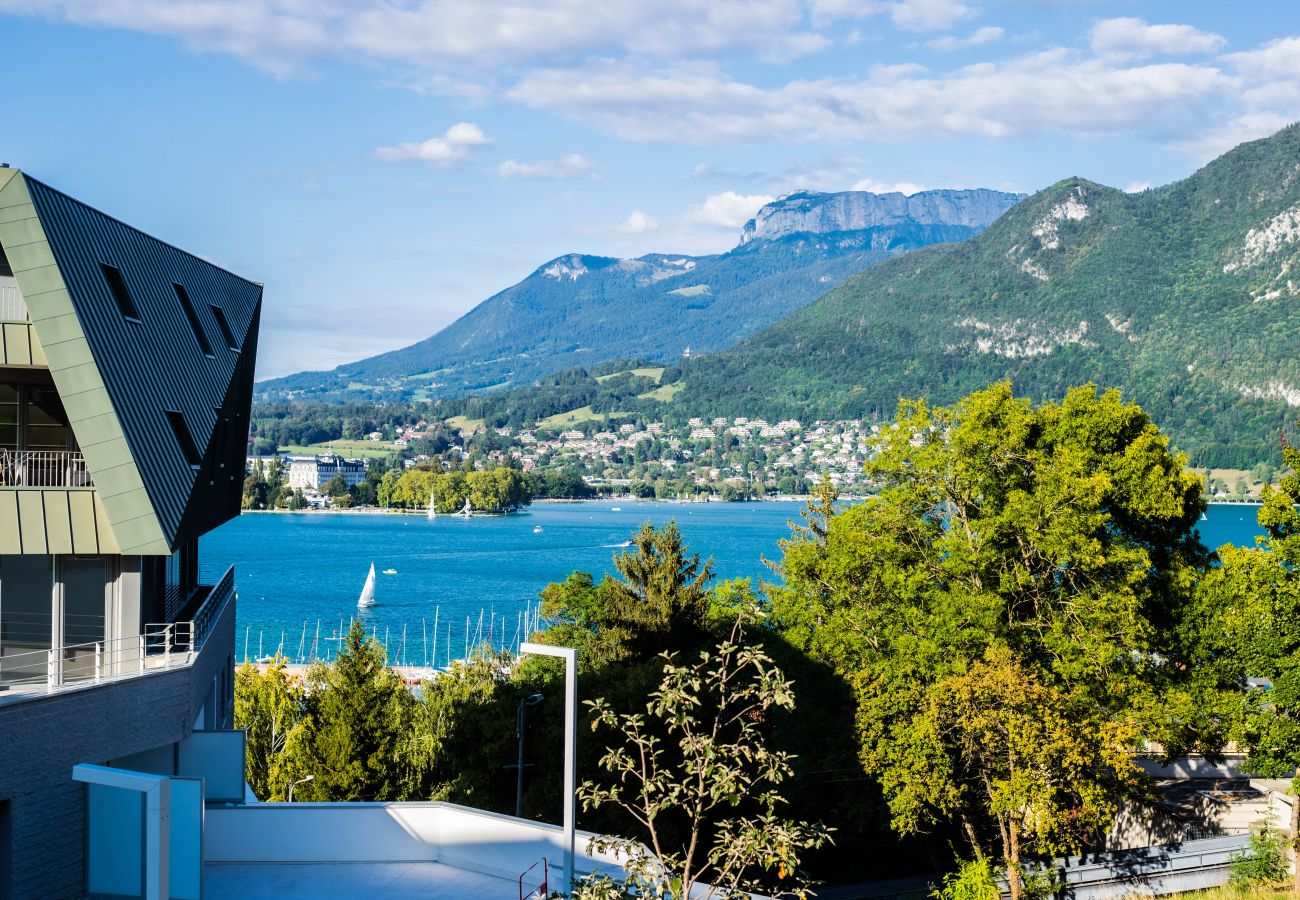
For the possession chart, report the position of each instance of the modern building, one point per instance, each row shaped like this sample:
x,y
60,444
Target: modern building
x,y
126,374
311,473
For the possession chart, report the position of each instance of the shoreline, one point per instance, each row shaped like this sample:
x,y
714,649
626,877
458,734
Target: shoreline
x,y
785,498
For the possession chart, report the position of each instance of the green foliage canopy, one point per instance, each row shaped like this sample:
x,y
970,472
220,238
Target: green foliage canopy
x,y
1008,610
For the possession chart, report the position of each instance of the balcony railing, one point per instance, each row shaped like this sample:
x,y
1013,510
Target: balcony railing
x,y
43,468
12,306
160,646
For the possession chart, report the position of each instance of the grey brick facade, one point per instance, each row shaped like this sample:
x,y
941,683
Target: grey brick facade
x,y
43,737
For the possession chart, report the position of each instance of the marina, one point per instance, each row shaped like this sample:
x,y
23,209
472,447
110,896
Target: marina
x,y
448,584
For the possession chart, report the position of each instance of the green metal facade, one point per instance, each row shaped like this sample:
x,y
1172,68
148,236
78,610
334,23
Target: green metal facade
x,y
134,387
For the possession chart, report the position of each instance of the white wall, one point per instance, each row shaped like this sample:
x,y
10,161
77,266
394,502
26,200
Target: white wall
x,y
389,832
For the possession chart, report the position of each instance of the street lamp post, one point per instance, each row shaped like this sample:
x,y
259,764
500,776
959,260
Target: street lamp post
x,y
530,700
570,657
293,784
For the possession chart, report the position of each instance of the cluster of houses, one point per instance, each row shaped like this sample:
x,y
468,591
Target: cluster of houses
x,y
752,451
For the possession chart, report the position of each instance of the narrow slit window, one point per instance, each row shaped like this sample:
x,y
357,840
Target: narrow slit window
x,y
183,439
183,296
220,315
117,287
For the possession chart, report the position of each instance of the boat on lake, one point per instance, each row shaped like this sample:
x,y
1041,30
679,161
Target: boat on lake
x,y
367,597
390,571
433,513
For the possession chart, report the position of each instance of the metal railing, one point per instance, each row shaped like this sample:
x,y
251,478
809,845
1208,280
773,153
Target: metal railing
x,y
43,468
159,646
12,306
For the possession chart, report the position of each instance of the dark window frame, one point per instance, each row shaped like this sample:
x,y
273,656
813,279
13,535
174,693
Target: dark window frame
x,y
224,325
121,292
205,346
184,440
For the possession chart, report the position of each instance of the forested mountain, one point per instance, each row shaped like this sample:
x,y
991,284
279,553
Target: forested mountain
x,y
581,310
1187,297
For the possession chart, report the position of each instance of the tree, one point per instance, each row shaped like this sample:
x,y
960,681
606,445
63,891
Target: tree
x,y
1253,601
699,752
662,601
1010,611
269,706
364,739
335,487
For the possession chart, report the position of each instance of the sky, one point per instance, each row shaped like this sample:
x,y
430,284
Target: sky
x,y
385,165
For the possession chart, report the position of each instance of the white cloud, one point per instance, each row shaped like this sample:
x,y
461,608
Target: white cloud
x,y
886,187
574,165
1136,187
981,36
1206,144
929,15
453,147
729,210
1129,38
1053,91
637,223
283,36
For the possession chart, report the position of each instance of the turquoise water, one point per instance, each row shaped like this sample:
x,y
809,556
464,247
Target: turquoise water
x,y
300,572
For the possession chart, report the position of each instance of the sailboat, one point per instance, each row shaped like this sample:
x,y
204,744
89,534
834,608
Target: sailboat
x,y
368,591
433,513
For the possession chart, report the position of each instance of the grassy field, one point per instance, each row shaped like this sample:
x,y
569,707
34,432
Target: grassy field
x,y
344,448
656,373
664,393
463,422
572,417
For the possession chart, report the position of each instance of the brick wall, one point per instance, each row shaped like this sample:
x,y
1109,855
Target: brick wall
x,y
42,738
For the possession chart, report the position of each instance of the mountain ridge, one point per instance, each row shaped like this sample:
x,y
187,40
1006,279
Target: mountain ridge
x,y
1185,296
583,309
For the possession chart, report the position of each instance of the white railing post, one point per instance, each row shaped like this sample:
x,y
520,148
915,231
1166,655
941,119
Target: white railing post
x,y
167,647
144,636
52,668
99,661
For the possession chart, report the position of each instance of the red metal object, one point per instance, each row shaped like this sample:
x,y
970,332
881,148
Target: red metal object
x,y
542,890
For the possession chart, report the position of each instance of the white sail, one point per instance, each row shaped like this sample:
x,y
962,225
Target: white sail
x,y
368,591
433,513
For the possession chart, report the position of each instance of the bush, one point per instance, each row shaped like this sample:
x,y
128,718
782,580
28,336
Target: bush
x,y
1263,862
976,879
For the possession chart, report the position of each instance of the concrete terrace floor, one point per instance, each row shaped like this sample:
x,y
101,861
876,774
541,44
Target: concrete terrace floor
x,y
337,881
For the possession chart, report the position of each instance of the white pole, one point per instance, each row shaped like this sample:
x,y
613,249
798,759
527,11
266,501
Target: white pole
x,y
570,657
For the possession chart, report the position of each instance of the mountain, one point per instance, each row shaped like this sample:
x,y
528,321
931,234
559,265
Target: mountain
x,y
818,213
1187,297
582,310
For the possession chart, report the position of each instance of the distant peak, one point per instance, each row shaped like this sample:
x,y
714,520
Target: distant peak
x,y
822,213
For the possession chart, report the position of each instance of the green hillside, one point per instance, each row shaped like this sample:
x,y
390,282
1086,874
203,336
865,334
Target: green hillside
x,y
1187,297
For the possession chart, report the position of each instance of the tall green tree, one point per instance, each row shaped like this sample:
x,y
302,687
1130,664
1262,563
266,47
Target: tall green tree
x,y
1253,599
1009,611
366,739
270,708
662,601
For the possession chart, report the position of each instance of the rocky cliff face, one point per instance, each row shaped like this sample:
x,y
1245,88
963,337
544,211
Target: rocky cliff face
x,y
818,213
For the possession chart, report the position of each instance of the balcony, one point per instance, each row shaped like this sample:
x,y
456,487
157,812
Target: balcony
x,y
159,647
12,306
43,469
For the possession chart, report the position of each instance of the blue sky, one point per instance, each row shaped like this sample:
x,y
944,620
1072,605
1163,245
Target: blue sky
x,y
384,165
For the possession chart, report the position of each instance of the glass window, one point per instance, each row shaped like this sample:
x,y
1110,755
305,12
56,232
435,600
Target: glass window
x,y
26,616
84,594
47,426
8,417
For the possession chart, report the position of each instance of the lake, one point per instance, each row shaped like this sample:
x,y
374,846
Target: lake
x,y
299,574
